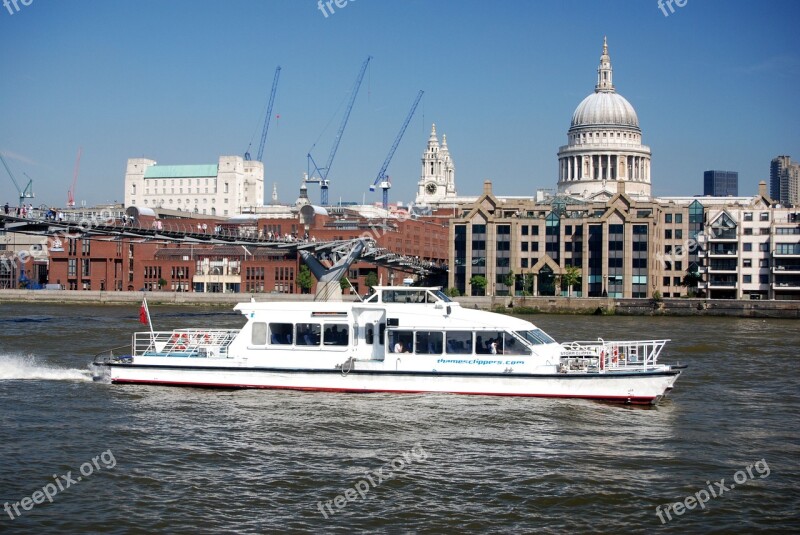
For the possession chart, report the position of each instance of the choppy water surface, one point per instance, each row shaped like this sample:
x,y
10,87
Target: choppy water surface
x,y
185,460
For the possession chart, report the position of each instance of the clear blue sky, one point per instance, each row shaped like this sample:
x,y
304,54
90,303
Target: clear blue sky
x,y
715,86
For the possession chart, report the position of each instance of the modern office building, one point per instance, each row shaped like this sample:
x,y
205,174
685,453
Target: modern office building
x,y
784,180
715,247
721,183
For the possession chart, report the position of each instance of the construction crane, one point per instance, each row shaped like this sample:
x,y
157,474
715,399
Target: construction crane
x,y
71,191
319,175
382,181
26,193
266,119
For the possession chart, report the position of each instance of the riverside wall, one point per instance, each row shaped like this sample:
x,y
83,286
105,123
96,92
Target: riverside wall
x,y
516,305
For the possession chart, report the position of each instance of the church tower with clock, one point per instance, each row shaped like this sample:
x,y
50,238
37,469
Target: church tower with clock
x,y
437,183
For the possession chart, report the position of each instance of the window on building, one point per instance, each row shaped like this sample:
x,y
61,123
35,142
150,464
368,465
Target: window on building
x,y
668,234
764,263
748,216
763,216
524,246
679,266
747,247
763,279
666,281
747,279
678,219
747,263
678,234
525,229
667,218
676,281
748,231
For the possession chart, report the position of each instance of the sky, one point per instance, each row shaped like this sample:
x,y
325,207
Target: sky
x,y
714,84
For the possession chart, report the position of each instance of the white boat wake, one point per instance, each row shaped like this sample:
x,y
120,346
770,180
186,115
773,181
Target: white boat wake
x,y
16,367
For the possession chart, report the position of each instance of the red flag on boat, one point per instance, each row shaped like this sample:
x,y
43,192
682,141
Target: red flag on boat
x,y
143,314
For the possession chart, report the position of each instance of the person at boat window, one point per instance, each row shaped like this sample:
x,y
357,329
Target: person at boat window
x,y
493,346
398,347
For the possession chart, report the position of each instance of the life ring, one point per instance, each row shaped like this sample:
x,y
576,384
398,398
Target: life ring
x,y
202,338
179,341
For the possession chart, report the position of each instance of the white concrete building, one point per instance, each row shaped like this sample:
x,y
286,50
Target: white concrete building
x,y
751,251
604,145
230,187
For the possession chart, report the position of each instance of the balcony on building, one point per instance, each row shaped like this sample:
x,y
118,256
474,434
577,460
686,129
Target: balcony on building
x,y
722,249
785,265
727,282
786,250
723,265
786,282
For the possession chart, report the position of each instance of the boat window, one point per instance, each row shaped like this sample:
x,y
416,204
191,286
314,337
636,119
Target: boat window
x,y
428,343
382,334
459,342
372,298
308,334
389,296
488,342
536,336
414,297
336,334
400,341
259,336
442,296
512,346
280,333
369,333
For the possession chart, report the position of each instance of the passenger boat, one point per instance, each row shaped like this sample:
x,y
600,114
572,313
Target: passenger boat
x,y
400,339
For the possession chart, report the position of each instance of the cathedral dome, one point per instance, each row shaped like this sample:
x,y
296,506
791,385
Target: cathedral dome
x,y
605,108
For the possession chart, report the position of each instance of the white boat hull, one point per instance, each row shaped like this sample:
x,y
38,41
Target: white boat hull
x,y
625,387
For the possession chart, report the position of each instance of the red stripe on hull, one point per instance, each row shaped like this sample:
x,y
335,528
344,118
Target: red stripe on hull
x,y
615,399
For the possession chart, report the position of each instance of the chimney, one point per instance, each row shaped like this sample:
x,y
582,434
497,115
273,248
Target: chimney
x,y
762,189
487,187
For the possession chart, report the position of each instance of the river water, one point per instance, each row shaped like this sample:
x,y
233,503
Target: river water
x,y
184,460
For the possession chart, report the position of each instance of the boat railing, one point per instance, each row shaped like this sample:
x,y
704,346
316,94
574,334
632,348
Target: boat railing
x,y
614,355
211,343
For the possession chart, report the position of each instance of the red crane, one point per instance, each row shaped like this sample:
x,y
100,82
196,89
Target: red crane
x,y
71,192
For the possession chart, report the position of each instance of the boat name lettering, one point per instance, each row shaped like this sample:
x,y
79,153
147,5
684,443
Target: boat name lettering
x,y
477,361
